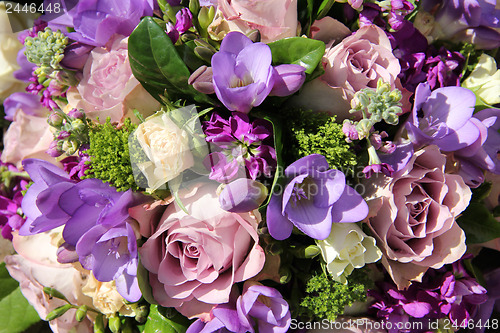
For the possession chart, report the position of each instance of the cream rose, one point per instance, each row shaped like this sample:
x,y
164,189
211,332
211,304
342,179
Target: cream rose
x,y
484,80
106,298
9,47
347,248
167,148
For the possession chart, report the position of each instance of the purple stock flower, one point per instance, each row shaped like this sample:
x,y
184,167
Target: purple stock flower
x,y
443,117
95,218
313,198
95,21
184,20
394,11
10,199
243,75
384,168
443,293
471,21
241,143
258,307
421,62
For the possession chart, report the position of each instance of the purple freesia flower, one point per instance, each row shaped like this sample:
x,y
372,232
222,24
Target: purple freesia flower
x,y
263,307
243,75
443,117
29,103
471,21
95,21
258,307
95,218
242,195
240,144
313,198
483,153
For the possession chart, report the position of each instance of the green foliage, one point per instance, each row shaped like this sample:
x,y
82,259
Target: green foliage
x,y
318,133
327,299
165,320
16,314
478,223
299,51
109,155
158,66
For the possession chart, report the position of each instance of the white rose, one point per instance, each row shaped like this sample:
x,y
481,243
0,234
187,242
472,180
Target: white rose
x,y
105,297
347,248
9,47
484,80
167,148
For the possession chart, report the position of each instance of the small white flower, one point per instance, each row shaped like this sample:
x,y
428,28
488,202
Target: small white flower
x,y
347,248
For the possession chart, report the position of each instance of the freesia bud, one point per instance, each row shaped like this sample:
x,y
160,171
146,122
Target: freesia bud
x,y
242,195
81,312
201,80
58,312
288,79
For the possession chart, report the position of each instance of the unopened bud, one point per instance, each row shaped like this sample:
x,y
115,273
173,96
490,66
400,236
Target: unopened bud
x,y
306,252
99,324
54,293
141,313
58,312
242,195
285,275
206,16
55,119
114,324
81,312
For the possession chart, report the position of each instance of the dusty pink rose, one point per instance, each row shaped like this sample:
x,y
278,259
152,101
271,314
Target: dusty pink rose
x,y
195,259
413,216
275,19
357,62
28,136
108,87
36,267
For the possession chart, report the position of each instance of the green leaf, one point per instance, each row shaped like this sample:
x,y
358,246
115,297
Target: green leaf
x,y
479,224
7,284
144,285
323,9
298,50
16,314
157,65
278,146
162,320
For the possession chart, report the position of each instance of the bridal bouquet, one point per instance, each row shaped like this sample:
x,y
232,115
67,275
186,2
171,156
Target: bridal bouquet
x,y
250,166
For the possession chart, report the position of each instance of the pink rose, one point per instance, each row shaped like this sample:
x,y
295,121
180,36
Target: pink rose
x,y
108,87
274,19
357,62
28,136
412,215
195,259
36,267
